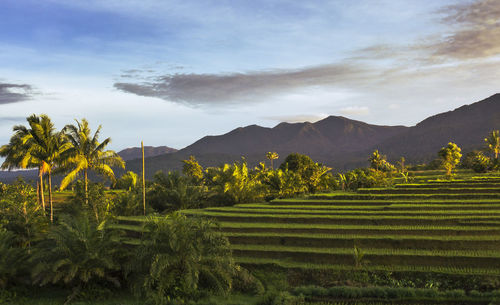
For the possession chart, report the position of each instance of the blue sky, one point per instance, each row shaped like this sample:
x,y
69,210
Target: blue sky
x,y
170,72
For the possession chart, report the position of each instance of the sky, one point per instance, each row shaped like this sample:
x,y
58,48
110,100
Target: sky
x,y
172,71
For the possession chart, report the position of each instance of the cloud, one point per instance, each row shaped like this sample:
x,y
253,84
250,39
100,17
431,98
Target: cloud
x,y
14,93
470,38
231,88
472,31
476,30
299,118
355,110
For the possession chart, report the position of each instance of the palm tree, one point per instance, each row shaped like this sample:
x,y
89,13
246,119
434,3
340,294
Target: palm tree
x,y
86,152
179,256
493,143
40,145
17,156
272,156
77,252
376,160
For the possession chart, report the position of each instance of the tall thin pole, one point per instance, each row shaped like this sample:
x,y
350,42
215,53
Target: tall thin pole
x,y
143,180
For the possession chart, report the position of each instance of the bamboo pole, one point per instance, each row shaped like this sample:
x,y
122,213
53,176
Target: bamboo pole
x,y
143,180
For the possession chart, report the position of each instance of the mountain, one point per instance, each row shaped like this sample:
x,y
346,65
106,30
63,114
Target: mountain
x,y
149,151
340,142
466,126
324,140
336,141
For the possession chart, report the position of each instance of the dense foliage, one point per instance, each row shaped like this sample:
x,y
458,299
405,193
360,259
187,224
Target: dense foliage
x,y
180,257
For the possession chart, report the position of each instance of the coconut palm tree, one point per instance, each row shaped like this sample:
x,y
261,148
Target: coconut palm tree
x,y
493,143
17,156
40,145
272,156
87,153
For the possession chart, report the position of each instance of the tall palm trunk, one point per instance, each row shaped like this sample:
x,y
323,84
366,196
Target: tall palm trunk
x,y
50,198
94,207
40,176
38,193
86,187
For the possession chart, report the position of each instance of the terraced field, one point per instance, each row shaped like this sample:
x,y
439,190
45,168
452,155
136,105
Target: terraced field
x,y
451,227
428,226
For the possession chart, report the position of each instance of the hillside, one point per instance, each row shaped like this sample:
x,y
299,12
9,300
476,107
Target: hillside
x,y
340,142
467,126
149,151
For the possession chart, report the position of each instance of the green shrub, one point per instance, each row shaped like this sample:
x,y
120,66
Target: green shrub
x,y
456,293
12,258
245,282
179,258
281,298
76,253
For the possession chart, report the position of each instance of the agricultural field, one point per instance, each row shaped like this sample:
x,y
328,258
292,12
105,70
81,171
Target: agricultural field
x,y
429,228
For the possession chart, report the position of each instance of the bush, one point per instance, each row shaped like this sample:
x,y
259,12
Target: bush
x,y
76,253
456,293
179,258
127,203
366,178
21,214
12,258
245,282
481,163
281,298
172,192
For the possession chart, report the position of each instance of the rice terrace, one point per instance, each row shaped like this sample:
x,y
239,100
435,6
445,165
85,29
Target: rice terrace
x,y
430,232
264,152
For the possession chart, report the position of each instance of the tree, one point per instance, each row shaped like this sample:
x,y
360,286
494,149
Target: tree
x,y
379,162
375,160
272,156
17,155
128,181
450,155
180,256
172,192
233,183
192,169
481,163
76,253
87,153
493,143
20,212
40,145
314,176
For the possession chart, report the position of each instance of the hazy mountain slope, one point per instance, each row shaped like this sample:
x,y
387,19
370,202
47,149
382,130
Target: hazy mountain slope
x,y
149,151
467,126
332,135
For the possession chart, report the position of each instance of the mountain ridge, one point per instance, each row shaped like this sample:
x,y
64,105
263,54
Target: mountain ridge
x,y
337,141
343,143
